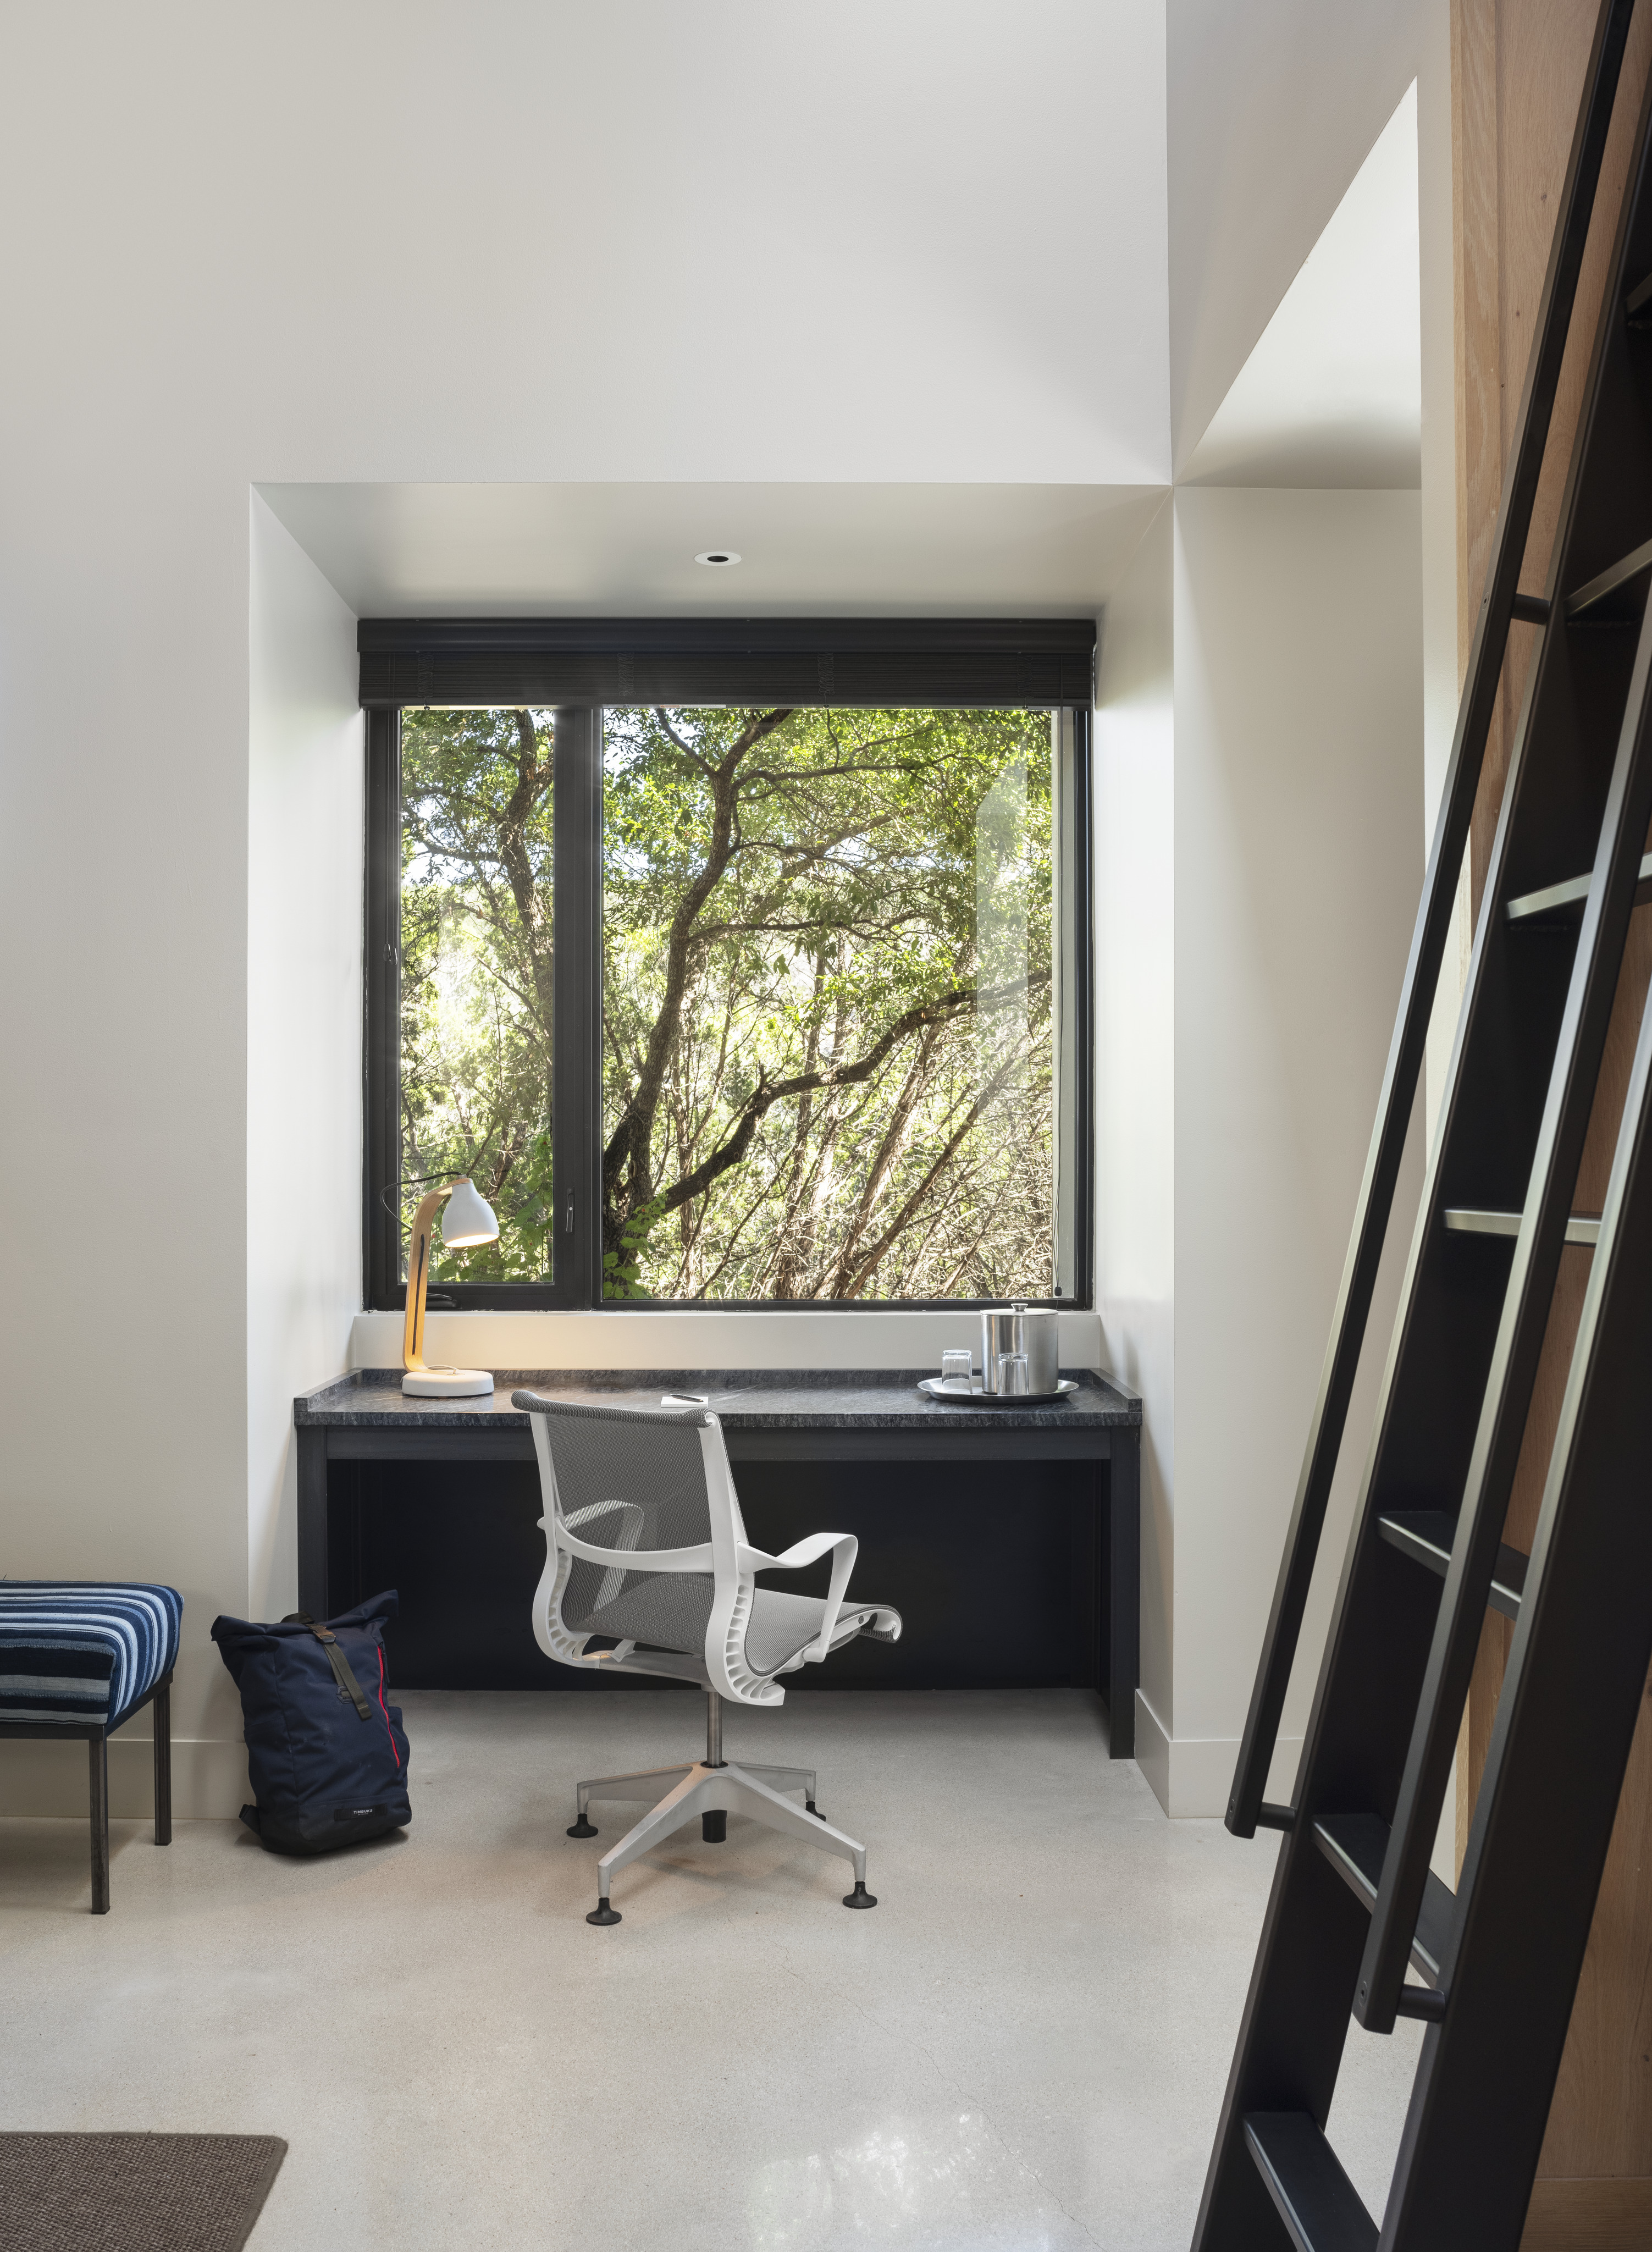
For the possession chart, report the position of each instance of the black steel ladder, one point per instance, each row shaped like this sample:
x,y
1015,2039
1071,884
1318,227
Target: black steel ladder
x,y
1357,1922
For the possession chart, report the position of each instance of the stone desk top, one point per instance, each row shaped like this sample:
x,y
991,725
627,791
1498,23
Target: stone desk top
x,y
745,1398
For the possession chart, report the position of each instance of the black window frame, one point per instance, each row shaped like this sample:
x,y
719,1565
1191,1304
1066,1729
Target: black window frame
x,y
576,668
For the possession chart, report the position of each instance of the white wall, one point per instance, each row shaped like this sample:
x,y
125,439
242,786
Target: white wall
x,y
617,1339
393,243
1135,881
1273,105
124,901
303,1013
398,244
1442,662
1288,752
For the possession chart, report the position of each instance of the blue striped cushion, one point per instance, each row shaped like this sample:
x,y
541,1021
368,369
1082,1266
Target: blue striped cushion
x,y
83,1649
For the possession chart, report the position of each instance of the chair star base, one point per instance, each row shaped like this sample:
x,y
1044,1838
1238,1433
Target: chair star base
x,y
713,1793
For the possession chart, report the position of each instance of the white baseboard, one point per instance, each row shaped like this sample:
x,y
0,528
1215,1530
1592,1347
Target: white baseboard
x,y
1193,1775
209,1778
1153,1750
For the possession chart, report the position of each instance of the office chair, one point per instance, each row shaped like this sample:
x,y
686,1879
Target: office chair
x,y
645,1549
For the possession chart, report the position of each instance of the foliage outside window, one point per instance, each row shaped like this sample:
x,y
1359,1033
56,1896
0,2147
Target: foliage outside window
x,y
477,975
830,988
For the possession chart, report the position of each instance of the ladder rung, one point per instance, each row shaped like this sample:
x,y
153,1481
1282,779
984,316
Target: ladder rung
x,y
1532,608
1620,575
1636,303
1355,1845
1426,1535
1563,903
1582,1228
1319,2205
1427,2002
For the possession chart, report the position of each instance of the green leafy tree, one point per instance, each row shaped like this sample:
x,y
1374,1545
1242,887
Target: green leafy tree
x,y
477,972
827,1062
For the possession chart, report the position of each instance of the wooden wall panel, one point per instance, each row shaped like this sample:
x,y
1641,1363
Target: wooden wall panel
x,y
1517,69
1600,2121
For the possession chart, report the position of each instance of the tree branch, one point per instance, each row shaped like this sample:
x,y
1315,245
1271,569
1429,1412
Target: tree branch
x,y
943,1009
629,1144
987,1094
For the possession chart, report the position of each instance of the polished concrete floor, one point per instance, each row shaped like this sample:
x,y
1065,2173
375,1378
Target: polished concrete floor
x,y
1022,2050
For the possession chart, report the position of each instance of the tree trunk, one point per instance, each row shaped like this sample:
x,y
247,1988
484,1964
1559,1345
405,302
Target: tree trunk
x,y
533,781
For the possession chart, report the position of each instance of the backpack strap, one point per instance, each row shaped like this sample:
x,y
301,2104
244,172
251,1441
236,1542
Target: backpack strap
x,y
342,1673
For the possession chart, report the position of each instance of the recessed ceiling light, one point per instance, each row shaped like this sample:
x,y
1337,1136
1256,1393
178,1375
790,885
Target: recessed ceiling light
x,y
719,558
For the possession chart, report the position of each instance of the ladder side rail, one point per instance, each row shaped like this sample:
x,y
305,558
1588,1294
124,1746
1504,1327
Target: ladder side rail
x,y
1294,2025
1613,427
1560,1744
1295,2021
1524,1319
1407,1049
1314,1933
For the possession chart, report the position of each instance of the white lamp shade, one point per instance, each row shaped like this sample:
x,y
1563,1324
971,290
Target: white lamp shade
x,y
466,1220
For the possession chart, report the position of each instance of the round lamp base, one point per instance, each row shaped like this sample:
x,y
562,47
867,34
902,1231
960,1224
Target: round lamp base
x,y
448,1383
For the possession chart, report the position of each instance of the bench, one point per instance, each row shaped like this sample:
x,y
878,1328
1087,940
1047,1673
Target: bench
x,y
78,1657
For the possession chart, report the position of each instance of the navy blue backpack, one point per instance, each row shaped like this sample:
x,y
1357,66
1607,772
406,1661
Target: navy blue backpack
x,y
328,1756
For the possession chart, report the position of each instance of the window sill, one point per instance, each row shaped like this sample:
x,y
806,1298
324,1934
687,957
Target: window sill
x,y
698,1338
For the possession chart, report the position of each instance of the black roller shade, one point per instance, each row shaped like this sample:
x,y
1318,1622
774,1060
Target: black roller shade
x,y
880,662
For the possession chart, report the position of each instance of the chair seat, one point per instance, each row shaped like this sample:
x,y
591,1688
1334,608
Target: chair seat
x,y
80,1651
670,1611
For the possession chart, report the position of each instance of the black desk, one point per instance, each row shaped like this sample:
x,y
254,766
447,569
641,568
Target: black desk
x,y
876,1418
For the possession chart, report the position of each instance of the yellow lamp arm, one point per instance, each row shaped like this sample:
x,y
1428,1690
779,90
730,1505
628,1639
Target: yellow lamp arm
x,y
412,1339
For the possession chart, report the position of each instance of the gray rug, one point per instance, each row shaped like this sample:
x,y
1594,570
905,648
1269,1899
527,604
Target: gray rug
x,y
133,2192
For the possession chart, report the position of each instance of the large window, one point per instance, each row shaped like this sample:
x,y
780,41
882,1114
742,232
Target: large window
x,y
733,1002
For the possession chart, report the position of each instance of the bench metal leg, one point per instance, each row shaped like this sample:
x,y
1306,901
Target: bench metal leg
x,y
163,1722
98,1761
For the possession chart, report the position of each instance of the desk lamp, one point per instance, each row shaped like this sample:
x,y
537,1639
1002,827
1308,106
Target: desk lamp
x,y
467,1221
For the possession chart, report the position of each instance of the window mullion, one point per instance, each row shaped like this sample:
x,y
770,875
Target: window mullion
x,y
577,1034
381,1047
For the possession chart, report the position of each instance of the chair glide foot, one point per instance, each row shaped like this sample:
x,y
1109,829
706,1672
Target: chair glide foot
x,y
602,1912
714,1827
810,1807
860,1897
582,1829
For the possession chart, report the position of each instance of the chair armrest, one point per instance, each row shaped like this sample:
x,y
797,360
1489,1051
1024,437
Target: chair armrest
x,y
801,1553
806,1551
638,1560
630,1558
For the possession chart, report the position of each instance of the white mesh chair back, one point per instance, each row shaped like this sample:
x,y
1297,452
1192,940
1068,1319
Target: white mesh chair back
x,y
633,1480
647,1555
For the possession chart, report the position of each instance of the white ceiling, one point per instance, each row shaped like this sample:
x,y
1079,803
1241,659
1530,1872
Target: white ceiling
x,y
1332,393
539,240
844,550
902,305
